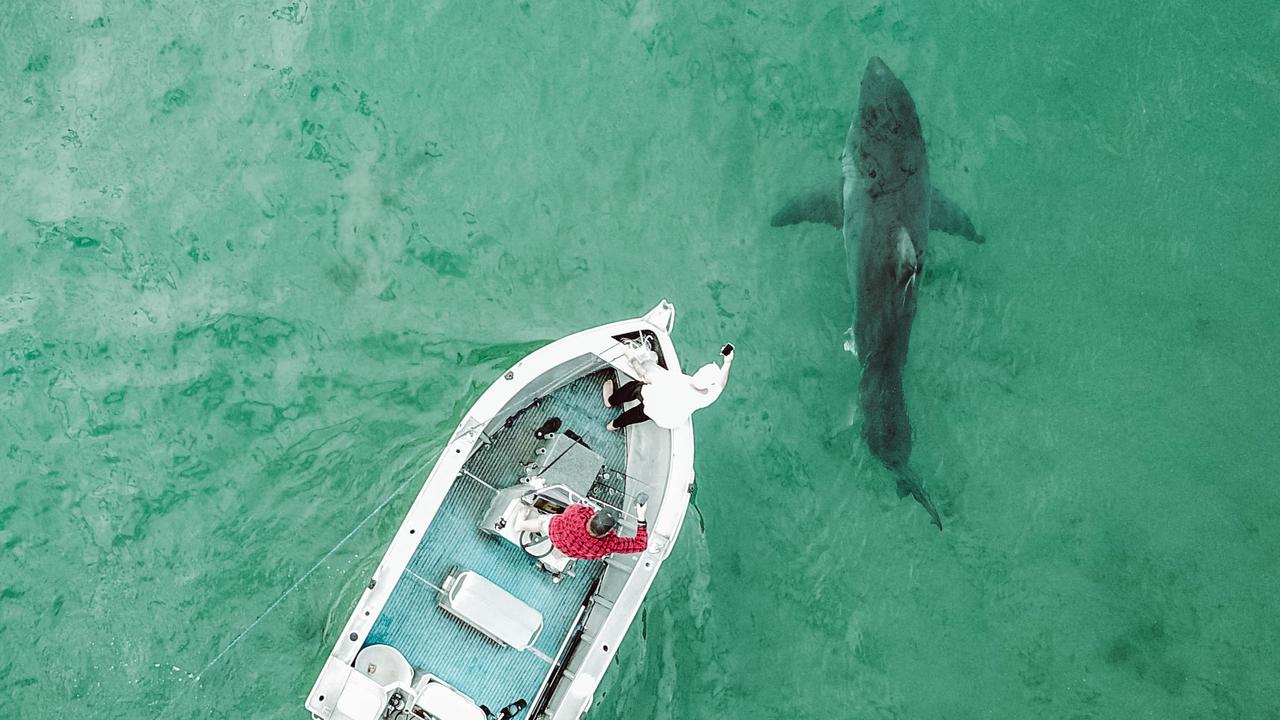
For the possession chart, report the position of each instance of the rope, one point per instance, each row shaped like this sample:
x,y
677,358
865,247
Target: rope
x,y
423,580
475,477
249,628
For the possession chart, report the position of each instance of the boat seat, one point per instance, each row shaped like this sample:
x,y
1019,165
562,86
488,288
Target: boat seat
x,y
385,665
496,613
443,702
549,557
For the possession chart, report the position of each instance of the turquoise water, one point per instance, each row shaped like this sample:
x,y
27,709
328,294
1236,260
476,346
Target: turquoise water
x,y
258,260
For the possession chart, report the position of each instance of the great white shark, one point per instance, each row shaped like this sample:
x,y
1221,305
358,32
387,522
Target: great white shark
x,y
885,207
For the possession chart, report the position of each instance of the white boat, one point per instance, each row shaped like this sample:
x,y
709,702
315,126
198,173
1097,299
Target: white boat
x,y
466,618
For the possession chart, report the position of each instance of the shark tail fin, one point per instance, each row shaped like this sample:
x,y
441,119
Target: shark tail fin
x,y
909,484
821,205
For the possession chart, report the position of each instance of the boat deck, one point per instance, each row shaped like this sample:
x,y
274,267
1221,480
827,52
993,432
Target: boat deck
x,y
435,641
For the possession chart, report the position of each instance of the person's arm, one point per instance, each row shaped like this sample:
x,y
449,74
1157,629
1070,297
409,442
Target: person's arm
x,y
727,353
619,544
638,543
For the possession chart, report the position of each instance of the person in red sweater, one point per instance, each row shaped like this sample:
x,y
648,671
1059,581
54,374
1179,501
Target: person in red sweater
x,y
585,533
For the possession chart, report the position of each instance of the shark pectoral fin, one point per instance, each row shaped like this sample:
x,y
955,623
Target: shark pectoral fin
x,y
823,205
948,217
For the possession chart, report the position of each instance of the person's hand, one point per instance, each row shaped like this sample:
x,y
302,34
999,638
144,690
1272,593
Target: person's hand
x,y
642,505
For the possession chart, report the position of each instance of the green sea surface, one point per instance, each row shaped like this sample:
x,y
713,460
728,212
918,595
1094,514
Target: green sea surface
x,y
256,260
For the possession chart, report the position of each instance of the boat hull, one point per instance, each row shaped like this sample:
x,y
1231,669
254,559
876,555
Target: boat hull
x,y
588,615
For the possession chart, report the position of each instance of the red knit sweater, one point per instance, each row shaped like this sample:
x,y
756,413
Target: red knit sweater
x,y
570,536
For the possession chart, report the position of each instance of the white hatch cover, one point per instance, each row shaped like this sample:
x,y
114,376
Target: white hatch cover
x,y
362,698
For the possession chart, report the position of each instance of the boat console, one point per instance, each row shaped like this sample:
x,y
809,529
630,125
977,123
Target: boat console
x,y
510,505
564,471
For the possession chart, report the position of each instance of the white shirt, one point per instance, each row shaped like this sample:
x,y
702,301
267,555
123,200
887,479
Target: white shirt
x,y
670,398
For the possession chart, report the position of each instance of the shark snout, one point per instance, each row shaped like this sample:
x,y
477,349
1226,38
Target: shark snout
x,y
878,77
884,96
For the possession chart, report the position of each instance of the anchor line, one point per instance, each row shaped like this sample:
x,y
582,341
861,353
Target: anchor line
x,y
249,628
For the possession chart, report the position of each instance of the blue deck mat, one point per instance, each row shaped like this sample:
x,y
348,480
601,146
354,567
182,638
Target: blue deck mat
x,y
435,641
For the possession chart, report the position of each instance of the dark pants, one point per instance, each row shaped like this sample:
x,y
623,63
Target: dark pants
x,y
624,394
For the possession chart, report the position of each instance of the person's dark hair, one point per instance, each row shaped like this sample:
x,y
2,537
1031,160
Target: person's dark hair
x,y
602,522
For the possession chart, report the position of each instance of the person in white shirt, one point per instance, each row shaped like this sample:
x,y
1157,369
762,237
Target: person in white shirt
x,y
668,398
